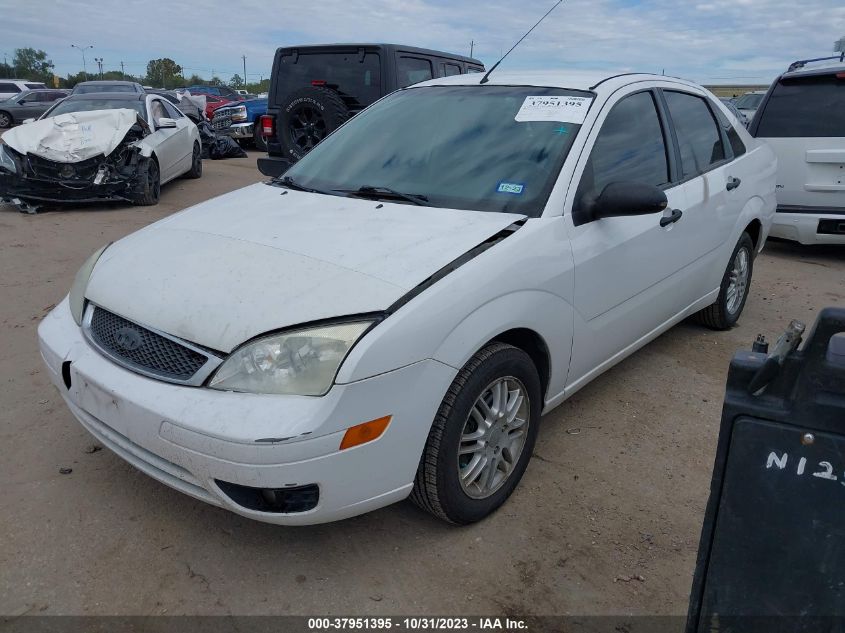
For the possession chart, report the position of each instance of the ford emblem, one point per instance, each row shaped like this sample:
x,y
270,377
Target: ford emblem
x,y
127,338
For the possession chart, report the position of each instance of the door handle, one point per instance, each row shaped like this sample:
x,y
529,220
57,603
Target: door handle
x,y
676,215
733,183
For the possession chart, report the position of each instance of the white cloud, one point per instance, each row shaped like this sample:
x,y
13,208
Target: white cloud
x,y
706,41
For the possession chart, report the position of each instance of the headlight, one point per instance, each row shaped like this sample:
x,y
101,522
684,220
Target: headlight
x,y
7,162
80,284
303,362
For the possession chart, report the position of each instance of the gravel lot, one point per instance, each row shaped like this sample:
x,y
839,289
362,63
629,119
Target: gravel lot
x,y
615,492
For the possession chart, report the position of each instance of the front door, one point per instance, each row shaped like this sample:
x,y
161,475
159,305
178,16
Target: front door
x,y
626,281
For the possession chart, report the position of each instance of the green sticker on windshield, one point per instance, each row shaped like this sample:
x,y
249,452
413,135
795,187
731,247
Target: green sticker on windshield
x,y
510,187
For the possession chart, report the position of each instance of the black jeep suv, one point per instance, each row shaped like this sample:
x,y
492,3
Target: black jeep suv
x,y
315,89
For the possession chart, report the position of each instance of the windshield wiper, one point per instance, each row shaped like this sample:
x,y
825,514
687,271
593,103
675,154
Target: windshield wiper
x,y
290,183
382,193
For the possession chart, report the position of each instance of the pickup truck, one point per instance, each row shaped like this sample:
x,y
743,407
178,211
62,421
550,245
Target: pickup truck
x,y
245,117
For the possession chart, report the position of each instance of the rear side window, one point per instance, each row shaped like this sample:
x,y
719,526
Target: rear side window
x,y
451,69
737,146
626,152
7,87
698,136
412,70
348,73
804,107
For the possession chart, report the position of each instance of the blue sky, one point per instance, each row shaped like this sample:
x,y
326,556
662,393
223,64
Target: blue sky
x,y
716,41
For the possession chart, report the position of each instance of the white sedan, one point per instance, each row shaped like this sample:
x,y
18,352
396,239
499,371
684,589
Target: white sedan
x,y
392,317
98,147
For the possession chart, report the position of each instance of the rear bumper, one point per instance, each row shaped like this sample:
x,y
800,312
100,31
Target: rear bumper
x,y
810,225
274,167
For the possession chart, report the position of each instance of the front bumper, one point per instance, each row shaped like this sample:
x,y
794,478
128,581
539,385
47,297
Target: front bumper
x,y
191,437
25,191
808,227
239,130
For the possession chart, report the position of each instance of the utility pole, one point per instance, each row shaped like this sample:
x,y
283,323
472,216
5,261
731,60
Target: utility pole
x,y
99,61
244,58
5,63
471,47
82,50
122,74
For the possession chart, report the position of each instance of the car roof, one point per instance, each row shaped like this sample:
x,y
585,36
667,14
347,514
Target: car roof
x,y
110,82
113,96
399,47
593,81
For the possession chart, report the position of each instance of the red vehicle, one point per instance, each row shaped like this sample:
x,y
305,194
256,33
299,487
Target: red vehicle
x,y
213,102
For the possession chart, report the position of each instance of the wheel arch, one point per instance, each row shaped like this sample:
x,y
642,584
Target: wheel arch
x,y
532,344
755,231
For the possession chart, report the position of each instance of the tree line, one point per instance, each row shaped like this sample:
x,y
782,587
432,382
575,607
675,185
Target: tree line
x,y
35,65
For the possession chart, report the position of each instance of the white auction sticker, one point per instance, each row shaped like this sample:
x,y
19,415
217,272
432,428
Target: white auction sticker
x,y
562,109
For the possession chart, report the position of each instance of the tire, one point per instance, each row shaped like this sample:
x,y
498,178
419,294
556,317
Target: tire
x,y
196,162
5,120
725,312
438,488
259,141
148,189
308,116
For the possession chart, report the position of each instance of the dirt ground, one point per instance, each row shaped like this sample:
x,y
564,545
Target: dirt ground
x,y
616,489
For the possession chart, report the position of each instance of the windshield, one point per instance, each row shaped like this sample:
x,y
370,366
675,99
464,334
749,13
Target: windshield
x,y
458,146
749,101
85,105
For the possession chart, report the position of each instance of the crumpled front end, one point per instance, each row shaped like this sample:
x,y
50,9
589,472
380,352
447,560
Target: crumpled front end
x,y
30,179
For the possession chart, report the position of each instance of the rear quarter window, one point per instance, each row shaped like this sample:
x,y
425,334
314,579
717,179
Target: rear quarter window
x,y
804,107
7,87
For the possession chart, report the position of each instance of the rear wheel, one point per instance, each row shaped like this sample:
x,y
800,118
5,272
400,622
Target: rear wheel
x,y
482,437
733,292
196,162
5,120
258,138
148,189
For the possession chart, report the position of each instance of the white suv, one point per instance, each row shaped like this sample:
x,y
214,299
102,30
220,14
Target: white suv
x,y
11,87
392,316
802,118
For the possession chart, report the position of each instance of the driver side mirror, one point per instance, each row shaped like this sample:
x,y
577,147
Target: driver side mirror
x,y
621,199
164,122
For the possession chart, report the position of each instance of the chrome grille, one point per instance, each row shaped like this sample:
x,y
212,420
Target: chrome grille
x,y
143,350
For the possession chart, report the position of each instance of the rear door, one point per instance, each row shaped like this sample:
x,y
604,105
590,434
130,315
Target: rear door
x,y
712,189
803,119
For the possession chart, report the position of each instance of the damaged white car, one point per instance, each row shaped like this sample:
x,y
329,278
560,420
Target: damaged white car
x,y
99,147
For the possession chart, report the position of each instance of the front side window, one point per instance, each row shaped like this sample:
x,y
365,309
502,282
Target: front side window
x,y
698,135
35,86
454,147
805,107
412,70
630,147
171,110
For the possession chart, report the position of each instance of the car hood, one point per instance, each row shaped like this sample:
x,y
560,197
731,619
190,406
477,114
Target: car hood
x,y
73,137
264,258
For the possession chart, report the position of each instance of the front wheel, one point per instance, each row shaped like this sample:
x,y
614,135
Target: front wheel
x,y
482,436
148,188
733,292
5,120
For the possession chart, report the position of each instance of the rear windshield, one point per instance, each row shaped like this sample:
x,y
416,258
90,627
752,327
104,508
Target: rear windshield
x,y
85,105
84,90
458,147
347,73
804,107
